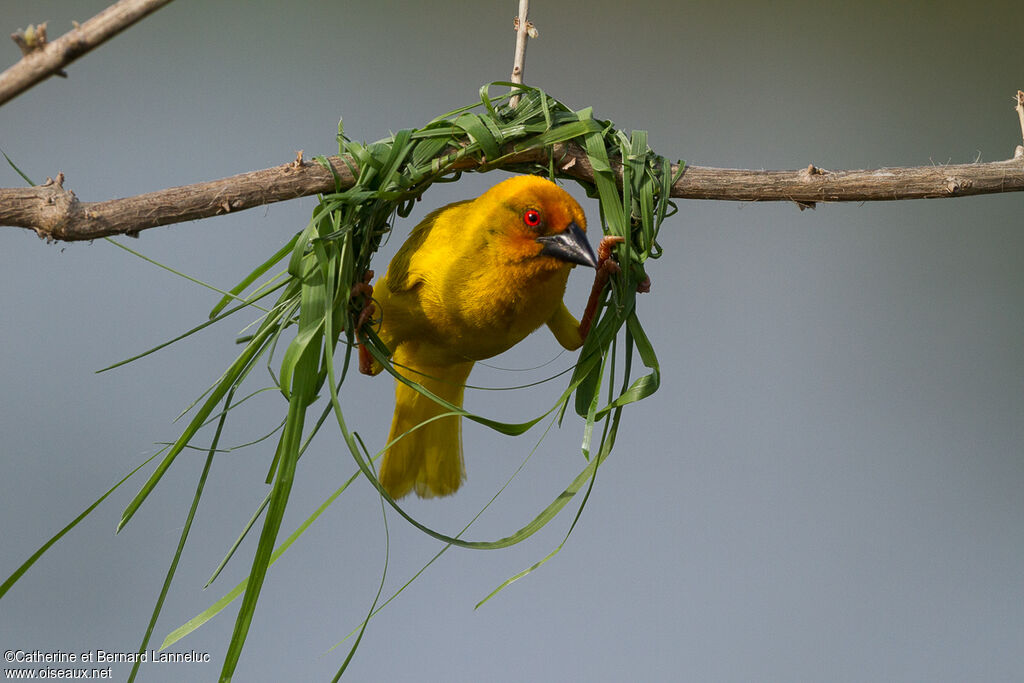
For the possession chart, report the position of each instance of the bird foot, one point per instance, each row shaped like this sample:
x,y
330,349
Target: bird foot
x,y
606,267
604,249
365,290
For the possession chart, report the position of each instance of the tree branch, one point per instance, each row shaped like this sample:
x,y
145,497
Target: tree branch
x,y
519,58
42,59
55,213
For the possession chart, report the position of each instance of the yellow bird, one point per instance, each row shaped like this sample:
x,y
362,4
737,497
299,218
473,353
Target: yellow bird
x,y
471,281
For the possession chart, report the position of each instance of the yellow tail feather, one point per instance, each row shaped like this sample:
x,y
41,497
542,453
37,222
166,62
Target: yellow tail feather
x,y
427,459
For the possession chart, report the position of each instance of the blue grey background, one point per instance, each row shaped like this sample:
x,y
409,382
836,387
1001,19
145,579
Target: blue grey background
x,y
826,487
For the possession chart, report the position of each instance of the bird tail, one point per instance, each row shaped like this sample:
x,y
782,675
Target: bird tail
x,y
428,457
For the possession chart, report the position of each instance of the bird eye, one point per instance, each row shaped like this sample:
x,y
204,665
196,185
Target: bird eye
x,y
532,217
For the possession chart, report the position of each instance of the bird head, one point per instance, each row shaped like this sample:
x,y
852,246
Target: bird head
x,y
541,223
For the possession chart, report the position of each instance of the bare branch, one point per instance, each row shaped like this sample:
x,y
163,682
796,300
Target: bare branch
x,y
1020,115
56,214
519,60
42,59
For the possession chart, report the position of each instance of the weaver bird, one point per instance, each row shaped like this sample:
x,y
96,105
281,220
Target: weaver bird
x,y
471,281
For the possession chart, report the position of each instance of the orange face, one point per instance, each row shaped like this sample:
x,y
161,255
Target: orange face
x,y
536,220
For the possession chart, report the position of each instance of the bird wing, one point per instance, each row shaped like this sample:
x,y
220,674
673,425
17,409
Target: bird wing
x,y
403,273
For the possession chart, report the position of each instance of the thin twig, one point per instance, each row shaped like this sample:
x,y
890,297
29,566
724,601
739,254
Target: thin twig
x,y
55,213
1020,114
519,61
43,59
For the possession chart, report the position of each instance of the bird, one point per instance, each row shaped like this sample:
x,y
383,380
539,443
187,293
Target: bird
x,y
473,279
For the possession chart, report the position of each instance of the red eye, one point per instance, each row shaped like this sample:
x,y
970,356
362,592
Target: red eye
x,y
532,217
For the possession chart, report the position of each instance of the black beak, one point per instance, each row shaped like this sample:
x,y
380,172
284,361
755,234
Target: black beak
x,y
569,245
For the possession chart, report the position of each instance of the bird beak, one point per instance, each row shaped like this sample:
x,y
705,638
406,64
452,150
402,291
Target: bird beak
x,y
569,245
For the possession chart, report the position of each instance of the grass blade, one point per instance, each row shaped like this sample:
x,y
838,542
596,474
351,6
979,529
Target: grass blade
x,y
257,273
184,536
227,295
376,598
17,170
236,369
13,578
218,606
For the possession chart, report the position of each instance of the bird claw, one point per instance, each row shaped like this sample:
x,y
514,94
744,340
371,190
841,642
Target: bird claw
x,y
604,262
606,267
604,249
365,360
365,290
